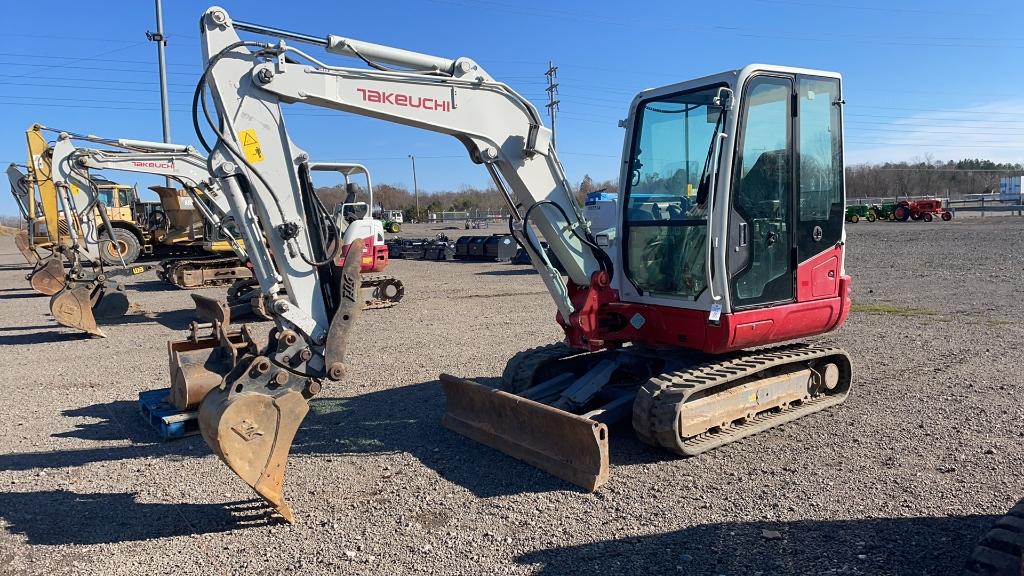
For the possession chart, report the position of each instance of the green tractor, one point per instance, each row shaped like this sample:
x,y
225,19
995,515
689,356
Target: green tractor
x,y
885,211
855,212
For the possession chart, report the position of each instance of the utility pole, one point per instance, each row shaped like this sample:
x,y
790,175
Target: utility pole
x,y
161,44
415,187
552,91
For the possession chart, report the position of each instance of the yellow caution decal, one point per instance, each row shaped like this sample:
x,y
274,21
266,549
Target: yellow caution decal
x,y
251,146
138,270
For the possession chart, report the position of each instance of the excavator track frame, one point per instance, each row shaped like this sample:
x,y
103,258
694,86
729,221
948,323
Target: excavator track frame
x,y
194,273
657,409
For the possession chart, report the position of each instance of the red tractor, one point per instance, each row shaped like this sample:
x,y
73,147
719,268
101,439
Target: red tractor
x,y
925,209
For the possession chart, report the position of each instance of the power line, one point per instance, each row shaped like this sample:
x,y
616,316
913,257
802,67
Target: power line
x,y
79,59
88,59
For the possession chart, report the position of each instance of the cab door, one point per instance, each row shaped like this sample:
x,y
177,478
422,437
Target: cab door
x,y
821,208
760,245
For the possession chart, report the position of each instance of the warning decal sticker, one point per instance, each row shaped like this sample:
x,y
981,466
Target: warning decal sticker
x,y
251,146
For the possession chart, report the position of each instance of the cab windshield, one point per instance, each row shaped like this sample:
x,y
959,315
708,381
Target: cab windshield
x,y
666,219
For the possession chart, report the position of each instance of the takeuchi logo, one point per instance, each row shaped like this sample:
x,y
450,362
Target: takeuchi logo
x,y
168,165
404,100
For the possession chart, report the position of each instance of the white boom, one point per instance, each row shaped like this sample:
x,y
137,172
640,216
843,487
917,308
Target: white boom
x,y
498,127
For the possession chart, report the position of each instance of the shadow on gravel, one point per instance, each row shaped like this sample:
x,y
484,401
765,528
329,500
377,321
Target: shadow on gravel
x,y
151,286
19,295
21,328
904,546
118,420
173,319
520,271
408,419
58,517
54,333
404,419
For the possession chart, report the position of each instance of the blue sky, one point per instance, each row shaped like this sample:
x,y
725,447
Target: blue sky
x,y
936,78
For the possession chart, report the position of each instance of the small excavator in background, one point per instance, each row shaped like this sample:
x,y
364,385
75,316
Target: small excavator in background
x,y
659,315
45,232
90,292
176,223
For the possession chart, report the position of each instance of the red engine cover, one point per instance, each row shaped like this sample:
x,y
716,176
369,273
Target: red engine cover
x,y
822,304
374,257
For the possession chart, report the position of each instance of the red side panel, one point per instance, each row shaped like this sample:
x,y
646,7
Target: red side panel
x,y
818,276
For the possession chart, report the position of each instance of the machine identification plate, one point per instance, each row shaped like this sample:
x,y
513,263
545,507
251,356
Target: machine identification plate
x,y
716,313
251,146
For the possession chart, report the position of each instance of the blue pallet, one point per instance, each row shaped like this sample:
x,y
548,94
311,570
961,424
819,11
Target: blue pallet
x,y
169,422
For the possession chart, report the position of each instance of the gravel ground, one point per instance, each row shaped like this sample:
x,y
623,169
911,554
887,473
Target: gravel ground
x,y
901,479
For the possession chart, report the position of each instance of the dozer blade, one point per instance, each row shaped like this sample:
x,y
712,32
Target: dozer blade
x,y
25,247
252,432
563,444
48,276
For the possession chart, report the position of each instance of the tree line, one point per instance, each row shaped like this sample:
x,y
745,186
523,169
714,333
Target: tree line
x,y
466,199
927,177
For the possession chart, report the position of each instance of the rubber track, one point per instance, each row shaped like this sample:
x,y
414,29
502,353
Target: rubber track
x,y
374,282
655,410
999,551
518,373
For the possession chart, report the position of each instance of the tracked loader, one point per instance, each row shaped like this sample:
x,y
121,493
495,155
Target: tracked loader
x,y
676,320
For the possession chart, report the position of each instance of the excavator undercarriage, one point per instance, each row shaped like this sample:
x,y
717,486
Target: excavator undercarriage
x,y
555,403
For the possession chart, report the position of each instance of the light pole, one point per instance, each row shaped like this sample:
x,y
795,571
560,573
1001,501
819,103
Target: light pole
x,y
161,44
415,187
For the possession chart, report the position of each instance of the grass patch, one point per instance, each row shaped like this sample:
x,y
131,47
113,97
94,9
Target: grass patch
x,y
890,309
999,322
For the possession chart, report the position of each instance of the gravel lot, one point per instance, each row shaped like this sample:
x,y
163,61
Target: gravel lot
x,y
902,479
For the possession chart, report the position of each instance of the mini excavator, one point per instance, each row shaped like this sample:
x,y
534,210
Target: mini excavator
x,y
729,246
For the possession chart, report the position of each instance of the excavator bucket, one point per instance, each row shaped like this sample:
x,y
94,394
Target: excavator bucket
x,y
563,444
48,275
252,432
25,247
198,365
250,420
81,304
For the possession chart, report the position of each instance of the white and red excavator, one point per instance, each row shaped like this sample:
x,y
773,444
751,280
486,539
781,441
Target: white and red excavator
x,y
730,241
